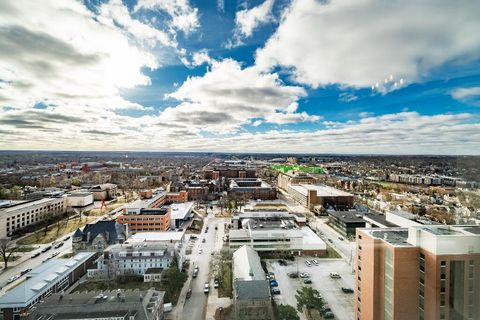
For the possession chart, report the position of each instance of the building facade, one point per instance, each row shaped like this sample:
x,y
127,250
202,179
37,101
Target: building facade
x,y
146,219
294,177
310,196
251,188
346,222
96,237
423,272
132,259
15,216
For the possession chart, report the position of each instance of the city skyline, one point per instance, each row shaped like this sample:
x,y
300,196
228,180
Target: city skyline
x,y
356,77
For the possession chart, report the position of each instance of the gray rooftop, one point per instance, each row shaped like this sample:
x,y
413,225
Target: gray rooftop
x,y
94,305
42,278
252,289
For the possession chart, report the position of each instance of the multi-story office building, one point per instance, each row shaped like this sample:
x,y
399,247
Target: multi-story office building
x,y
312,195
423,272
113,305
16,215
251,188
147,214
146,219
276,234
51,277
346,222
294,177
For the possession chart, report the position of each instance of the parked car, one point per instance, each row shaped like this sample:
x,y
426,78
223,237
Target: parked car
x,y
215,284
203,240
307,281
58,245
46,249
25,271
12,279
275,291
341,238
206,288
334,275
189,293
304,275
35,254
55,254
330,240
315,262
200,251
213,252
328,315
273,283
67,238
282,262
347,290
326,309
293,275
308,263
46,259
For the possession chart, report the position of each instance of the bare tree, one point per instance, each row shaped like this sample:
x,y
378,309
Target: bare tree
x,y
7,248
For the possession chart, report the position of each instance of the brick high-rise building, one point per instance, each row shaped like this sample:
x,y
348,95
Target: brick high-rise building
x,y
423,272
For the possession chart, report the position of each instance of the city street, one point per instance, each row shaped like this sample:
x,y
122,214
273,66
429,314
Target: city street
x,y
194,308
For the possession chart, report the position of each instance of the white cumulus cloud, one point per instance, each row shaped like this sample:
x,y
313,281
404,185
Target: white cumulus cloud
x,y
372,43
184,16
228,97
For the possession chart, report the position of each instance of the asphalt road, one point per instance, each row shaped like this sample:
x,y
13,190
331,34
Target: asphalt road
x,y
194,308
31,263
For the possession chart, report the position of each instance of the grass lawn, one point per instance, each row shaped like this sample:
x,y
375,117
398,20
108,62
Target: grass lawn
x,y
130,283
331,253
39,237
101,212
26,248
225,286
12,258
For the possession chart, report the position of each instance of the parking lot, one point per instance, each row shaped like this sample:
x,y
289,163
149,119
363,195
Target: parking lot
x,y
342,304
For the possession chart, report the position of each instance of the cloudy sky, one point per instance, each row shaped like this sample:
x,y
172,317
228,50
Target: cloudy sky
x,y
338,76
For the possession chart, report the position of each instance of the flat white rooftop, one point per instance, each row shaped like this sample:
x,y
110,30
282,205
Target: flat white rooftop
x,y
181,210
155,236
322,190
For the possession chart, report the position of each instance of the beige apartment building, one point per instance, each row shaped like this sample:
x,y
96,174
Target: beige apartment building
x,y
423,272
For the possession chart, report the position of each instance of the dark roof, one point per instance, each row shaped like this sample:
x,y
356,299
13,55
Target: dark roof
x,y
104,227
78,234
154,270
347,216
252,289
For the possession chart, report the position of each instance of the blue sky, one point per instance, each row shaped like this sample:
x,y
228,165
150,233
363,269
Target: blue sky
x,y
341,76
